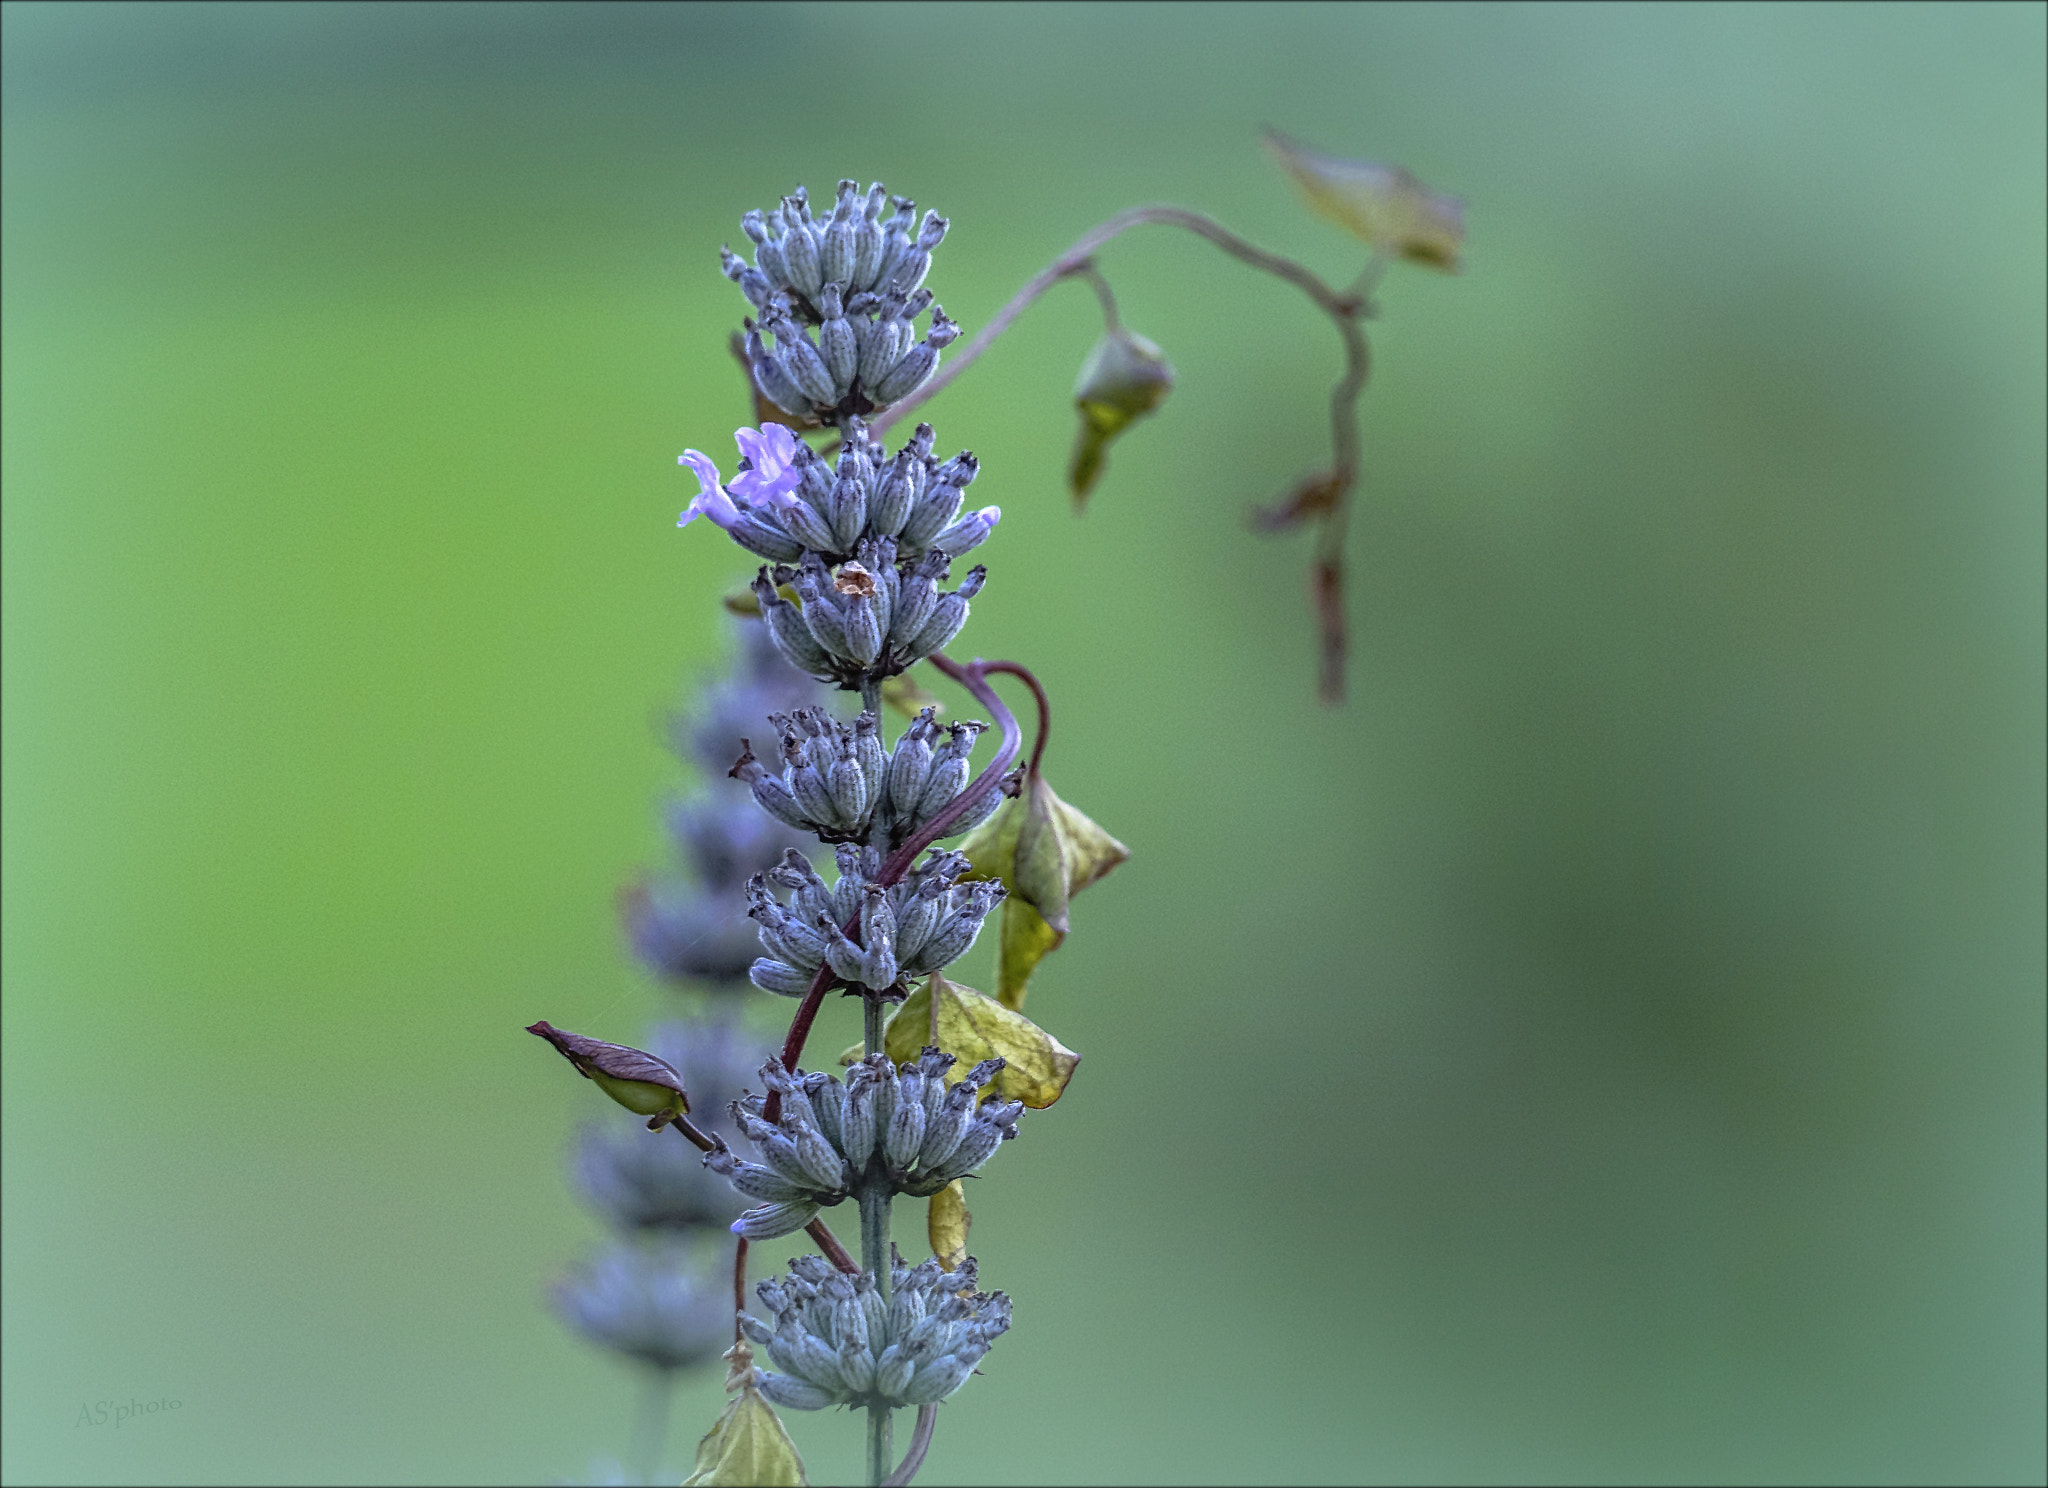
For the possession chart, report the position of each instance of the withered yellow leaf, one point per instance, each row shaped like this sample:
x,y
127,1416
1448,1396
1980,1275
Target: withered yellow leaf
x,y
747,1445
1044,852
972,1027
946,1222
1025,941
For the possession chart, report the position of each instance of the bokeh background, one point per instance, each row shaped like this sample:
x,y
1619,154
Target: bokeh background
x,y
1609,1048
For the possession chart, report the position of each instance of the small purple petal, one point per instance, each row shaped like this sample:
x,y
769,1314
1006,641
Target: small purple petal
x,y
768,450
711,500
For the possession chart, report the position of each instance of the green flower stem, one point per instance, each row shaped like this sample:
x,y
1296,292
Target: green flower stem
x,y
874,1196
650,1431
973,678
920,1443
881,1444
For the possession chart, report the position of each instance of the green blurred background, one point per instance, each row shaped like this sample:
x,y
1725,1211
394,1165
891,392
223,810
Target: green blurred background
x,y
1608,1048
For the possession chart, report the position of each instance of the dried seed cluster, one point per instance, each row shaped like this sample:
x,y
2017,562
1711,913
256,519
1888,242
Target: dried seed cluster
x,y
838,783
838,1343
925,921
905,1127
858,280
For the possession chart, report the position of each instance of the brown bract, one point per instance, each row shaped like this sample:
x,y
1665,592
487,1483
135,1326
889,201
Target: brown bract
x,y
855,580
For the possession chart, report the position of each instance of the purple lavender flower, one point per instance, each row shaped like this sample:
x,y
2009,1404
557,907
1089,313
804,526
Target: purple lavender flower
x,y
769,450
711,500
764,487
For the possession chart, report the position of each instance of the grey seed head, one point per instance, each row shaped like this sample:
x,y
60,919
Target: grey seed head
x,y
774,381
800,359
780,1150
968,533
948,618
976,1147
758,1182
822,617
849,787
859,1120
897,490
820,1159
905,1137
838,249
771,260
988,805
767,1221
851,891
893,1371
817,1361
907,375
814,486
983,1072
934,509
762,533
907,272
917,594
838,346
943,1130
848,510
828,1105
780,977
813,794
867,749
800,250
856,1366
935,1381
846,959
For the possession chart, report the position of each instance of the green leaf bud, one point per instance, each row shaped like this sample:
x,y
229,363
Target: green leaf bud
x,y
634,1078
1124,378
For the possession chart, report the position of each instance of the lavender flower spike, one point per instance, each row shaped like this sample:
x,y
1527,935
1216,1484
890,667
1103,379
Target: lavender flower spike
x,y
711,500
769,450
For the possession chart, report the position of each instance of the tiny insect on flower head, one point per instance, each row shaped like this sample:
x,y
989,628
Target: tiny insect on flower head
x,y
770,451
711,500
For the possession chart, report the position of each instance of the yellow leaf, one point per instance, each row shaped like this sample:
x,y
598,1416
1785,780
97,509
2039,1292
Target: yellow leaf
x,y
972,1027
747,1445
1090,851
1026,940
1044,851
946,1222
1382,204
